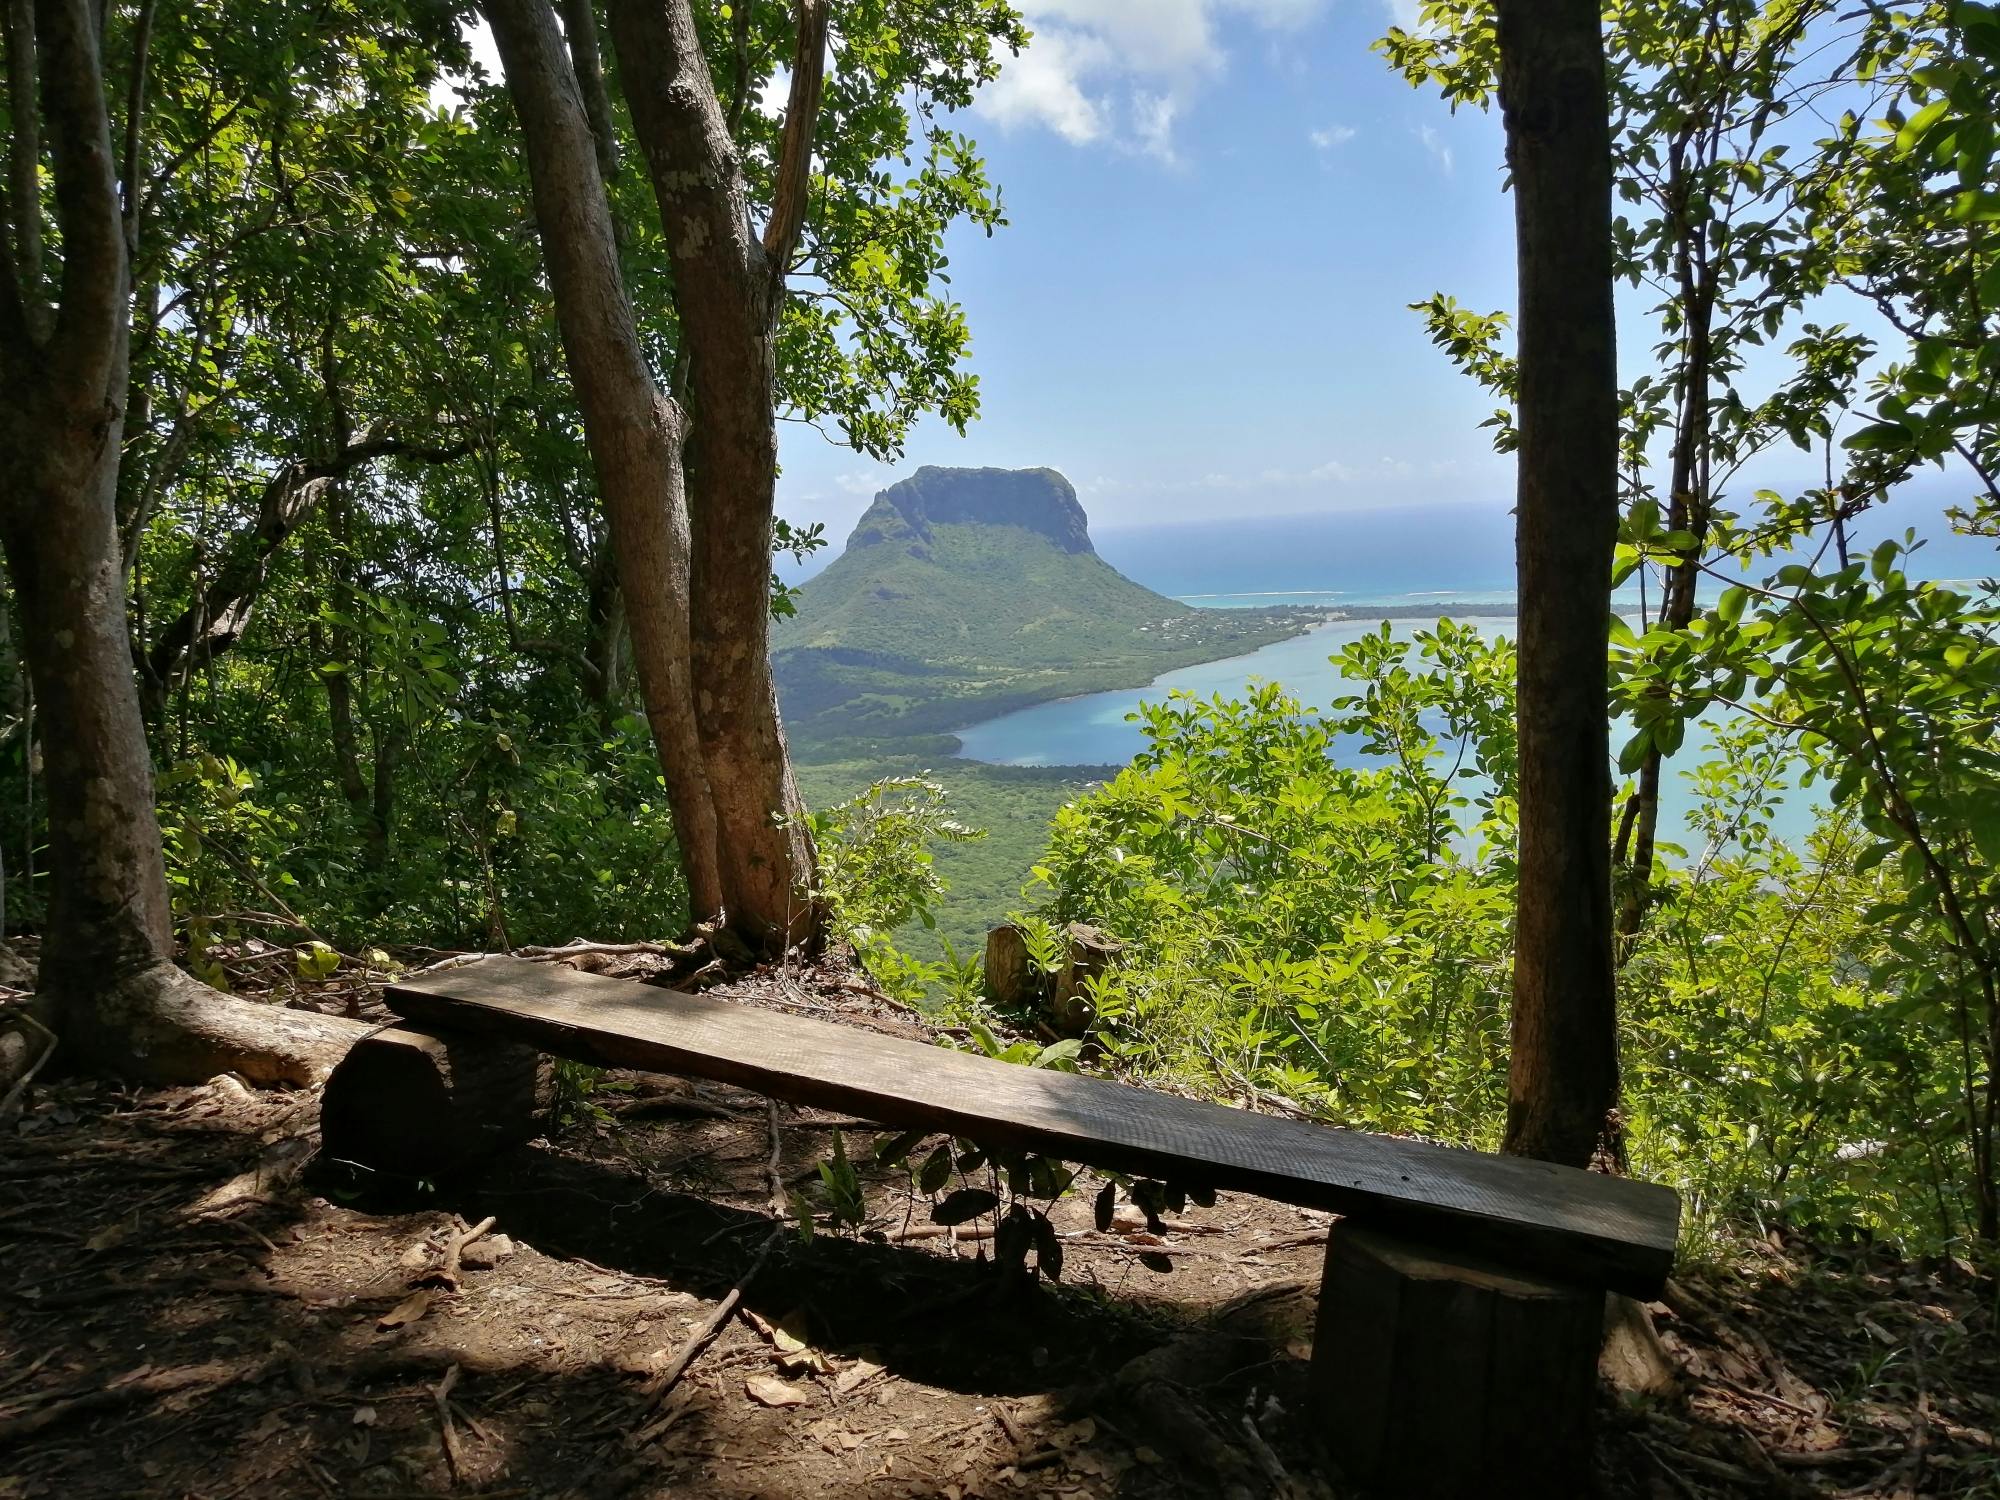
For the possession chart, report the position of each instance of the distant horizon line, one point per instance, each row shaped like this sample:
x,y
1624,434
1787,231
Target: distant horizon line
x,y
1096,525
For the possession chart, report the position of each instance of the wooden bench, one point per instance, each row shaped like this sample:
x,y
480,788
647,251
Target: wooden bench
x,y
1462,1305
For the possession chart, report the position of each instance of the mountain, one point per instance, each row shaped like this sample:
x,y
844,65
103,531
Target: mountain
x,y
966,593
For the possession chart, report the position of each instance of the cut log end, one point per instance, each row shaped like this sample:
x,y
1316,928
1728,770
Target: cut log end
x,y
1439,1375
416,1106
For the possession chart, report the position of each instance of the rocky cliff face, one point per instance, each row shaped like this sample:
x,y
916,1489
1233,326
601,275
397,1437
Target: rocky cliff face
x,y
1036,500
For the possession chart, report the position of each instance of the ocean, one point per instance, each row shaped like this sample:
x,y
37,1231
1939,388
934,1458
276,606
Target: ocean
x,y
1460,555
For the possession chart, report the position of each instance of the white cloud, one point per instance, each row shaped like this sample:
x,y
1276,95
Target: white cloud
x,y
1153,124
866,482
1043,86
1407,14
1122,72
1435,144
1332,136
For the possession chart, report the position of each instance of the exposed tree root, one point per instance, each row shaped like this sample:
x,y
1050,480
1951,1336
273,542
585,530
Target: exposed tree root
x,y
159,1026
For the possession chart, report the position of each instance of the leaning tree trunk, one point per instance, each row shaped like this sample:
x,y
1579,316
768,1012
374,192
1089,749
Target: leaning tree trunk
x,y
118,1001
728,288
634,431
1564,1077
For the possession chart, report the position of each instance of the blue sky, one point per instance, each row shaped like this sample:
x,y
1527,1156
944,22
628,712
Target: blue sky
x,y
1219,211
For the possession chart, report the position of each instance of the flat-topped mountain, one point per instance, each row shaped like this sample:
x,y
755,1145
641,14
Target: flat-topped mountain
x,y
964,593
1036,500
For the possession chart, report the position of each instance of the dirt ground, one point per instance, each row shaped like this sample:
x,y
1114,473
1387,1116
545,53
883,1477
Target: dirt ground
x,y
192,1306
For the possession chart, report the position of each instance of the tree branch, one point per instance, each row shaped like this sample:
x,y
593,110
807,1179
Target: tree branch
x,y
91,320
220,611
135,114
24,166
579,18
794,182
739,89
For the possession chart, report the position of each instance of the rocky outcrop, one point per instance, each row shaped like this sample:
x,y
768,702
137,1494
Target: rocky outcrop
x,y
1037,500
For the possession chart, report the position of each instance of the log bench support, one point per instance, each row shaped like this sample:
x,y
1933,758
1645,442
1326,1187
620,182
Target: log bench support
x,y
1442,1375
417,1107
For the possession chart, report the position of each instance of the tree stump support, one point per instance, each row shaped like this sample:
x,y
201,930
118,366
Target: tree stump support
x,y
410,1105
1441,1375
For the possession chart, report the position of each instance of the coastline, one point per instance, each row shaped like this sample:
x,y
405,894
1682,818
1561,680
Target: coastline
x,y
1329,615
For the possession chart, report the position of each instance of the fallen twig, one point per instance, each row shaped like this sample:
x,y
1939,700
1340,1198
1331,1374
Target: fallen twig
x,y
571,950
1282,1483
1716,1468
773,1184
447,1429
446,1273
705,1331
140,1383
18,1376
937,1232
11,1104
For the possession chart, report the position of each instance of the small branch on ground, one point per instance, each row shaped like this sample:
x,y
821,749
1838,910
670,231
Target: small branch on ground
x,y
140,1384
580,946
773,1183
445,1276
937,1232
11,1104
703,1333
447,1430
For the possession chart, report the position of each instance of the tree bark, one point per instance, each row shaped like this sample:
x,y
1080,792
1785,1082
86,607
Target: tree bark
x,y
1564,1074
634,431
120,1003
729,286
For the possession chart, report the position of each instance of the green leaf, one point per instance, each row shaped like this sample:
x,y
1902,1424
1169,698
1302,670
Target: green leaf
x,y
936,1170
898,1148
964,1205
1633,755
1105,1206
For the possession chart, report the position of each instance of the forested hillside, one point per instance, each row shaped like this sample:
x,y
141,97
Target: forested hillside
x,y
964,593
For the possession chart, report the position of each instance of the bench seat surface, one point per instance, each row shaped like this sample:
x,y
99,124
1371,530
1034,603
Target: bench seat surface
x,y
1570,1224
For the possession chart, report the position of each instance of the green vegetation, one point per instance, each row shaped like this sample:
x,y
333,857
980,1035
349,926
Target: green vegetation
x,y
981,879
1809,1036
361,604
1341,937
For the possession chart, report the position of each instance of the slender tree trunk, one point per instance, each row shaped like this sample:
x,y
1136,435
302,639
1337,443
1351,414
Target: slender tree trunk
x,y
604,645
728,288
1689,508
634,431
1564,1076
105,971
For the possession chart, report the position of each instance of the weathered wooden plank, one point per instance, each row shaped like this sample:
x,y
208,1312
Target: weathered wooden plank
x,y
1599,1230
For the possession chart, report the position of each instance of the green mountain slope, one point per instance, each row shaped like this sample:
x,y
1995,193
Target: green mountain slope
x,y
965,593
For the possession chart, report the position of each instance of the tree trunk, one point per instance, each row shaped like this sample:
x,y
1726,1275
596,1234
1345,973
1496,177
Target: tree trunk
x,y
120,1004
1564,1077
635,433
1690,505
604,643
728,289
